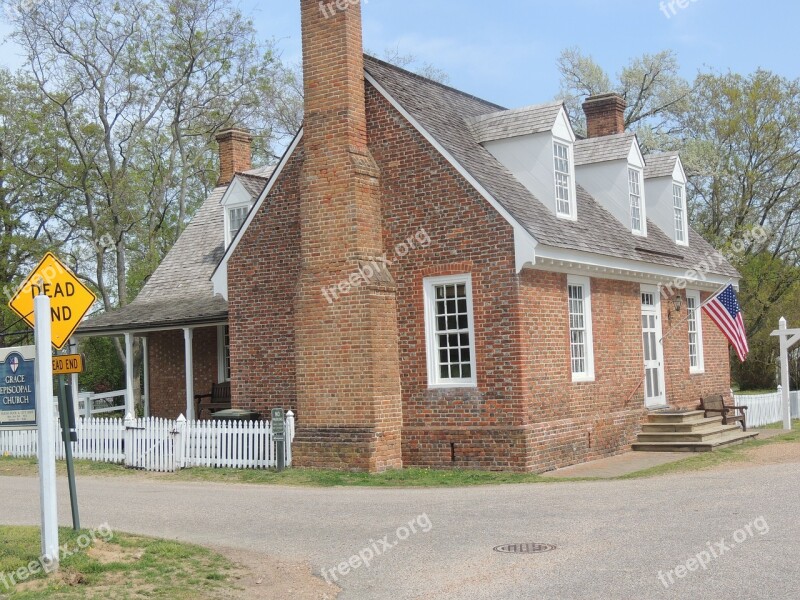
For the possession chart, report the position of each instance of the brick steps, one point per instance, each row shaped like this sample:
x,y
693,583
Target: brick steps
x,y
687,431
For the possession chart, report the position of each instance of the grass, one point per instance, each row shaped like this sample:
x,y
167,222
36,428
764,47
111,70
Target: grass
x,y
124,566
412,477
753,392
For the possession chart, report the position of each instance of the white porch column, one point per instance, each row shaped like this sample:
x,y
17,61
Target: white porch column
x,y
146,368
784,341
187,342
130,409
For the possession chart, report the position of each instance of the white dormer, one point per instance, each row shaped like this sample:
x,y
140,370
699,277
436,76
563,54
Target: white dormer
x,y
611,169
665,182
236,203
537,145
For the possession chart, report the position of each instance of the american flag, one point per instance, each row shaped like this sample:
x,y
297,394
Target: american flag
x,y
724,310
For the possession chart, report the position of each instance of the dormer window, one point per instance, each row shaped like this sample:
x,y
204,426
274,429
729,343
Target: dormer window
x,y
679,204
635,192
235,219
563,173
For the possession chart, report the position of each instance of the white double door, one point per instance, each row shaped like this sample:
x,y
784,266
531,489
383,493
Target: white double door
x,y
654,393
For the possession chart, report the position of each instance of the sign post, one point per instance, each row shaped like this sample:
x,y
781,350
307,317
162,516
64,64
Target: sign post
x,y
787,338
53,301
67,429
46,433
278,425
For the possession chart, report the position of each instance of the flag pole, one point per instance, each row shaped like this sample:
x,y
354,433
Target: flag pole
x,y
688,314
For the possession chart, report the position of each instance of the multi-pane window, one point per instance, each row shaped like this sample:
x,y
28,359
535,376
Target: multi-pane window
x,y
450,331
580,330
563,180
680,213
236,217
695,332
635,191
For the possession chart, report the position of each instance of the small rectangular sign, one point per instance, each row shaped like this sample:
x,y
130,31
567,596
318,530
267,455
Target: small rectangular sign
x,y
278,422
17,387
67,364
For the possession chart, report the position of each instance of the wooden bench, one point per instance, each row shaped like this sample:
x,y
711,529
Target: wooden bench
x,y
715,405
218,399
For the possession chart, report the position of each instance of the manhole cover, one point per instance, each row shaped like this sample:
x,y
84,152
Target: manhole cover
x,y
527,548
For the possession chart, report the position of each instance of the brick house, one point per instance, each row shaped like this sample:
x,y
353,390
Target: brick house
x,y
429,279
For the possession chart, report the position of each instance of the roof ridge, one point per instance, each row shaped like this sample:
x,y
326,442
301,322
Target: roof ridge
x,y
511,111
436,83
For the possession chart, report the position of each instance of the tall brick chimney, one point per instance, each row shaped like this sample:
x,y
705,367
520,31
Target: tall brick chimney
x,y
234,153
605,115
346,340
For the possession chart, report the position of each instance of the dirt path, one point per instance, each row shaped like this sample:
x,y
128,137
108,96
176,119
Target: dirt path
x,y
262,577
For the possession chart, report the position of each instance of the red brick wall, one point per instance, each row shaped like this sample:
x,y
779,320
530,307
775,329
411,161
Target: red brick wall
x,y
262,282
574,422
525,414
480,427
165,351
684,390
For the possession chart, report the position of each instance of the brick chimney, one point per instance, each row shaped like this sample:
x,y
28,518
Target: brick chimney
x,y
346,339
234,153
605,115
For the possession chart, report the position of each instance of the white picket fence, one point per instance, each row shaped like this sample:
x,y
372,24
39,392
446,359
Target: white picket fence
x,y
165,445
766,409
99,440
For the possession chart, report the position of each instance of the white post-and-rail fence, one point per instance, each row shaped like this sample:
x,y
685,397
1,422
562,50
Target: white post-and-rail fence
x,y
164,445
767,409
90,404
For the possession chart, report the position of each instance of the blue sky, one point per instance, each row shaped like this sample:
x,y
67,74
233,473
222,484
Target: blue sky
x,y
506,50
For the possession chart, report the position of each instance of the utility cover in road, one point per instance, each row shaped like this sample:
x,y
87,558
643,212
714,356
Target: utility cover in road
x,y
70,300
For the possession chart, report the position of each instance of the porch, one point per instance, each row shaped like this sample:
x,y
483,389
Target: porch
x,y
175,364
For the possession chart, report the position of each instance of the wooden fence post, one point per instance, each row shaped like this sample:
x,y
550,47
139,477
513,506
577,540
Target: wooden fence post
x,y
180,450
130,423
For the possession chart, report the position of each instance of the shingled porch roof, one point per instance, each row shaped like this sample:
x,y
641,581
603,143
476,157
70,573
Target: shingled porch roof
x,y
180,293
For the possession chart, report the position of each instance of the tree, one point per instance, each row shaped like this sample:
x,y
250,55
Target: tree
x,y
31,208
742,150
138,90
656,95
412,63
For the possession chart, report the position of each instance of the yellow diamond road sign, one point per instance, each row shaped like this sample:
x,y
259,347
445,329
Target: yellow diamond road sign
x,y
70,300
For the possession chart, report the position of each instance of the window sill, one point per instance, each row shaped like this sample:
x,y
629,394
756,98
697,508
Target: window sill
x,y
583,379
452,386
697,371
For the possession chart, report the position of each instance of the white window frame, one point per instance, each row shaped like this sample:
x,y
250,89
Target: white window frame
x,y
682,233
229,235
434,377
642,230
584,282
569,174
223,366
694,297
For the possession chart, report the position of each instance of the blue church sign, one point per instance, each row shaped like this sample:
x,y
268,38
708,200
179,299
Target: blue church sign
x,y
17,388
